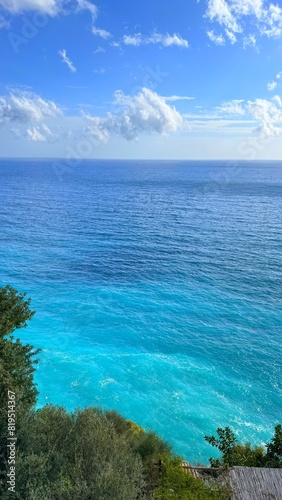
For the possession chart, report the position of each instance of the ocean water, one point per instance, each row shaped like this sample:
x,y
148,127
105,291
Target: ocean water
x,y
157,287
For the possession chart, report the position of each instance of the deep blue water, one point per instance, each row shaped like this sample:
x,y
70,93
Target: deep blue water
x,y
157,287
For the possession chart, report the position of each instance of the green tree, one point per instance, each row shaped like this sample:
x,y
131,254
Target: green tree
x,y
14,310
225,442
79,455
274,448
16,363
234,453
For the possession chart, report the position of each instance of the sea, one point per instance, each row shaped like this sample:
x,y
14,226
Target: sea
x,y
157,287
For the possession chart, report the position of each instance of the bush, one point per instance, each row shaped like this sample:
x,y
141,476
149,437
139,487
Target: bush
x,y
176,484
75,455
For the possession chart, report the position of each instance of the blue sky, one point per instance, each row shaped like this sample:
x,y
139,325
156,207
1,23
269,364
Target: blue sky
x,y
154,79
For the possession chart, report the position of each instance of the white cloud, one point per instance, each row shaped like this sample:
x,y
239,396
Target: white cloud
x,y
248,7
268,114
174,98
271,86
277,98
86,5
66,60
26,111
50,7
34,134
221,11
135,40
144,113
249,41
217,39
234,107
231,36
272,18
169,40
39,133
100,32
156,38
234,15
24,107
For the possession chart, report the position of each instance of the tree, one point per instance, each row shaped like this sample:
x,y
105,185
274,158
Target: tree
x,y
14,310
16,360
234,453
64,456
225,442
16,363
274,448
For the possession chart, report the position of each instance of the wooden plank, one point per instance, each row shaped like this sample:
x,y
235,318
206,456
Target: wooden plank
x,y
255,483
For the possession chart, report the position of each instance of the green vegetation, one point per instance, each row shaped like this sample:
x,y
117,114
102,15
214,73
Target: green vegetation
x,y
234,453
92,454
176,484
16,363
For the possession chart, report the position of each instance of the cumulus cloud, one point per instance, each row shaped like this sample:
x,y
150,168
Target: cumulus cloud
x,y
234,15
26,112
155,38
66,60
268,114
144,113
50,7
25,106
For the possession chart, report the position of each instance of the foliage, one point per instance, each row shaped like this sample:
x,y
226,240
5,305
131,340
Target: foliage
x,y
234,453
175,484
14,310
274,448
75,455
148,445
16,360
16,363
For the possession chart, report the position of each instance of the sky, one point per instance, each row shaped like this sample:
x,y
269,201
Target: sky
x,y
188,79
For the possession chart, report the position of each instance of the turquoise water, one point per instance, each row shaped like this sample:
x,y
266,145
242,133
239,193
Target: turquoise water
x,y
157,287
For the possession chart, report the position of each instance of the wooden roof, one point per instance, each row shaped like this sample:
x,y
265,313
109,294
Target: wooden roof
x,y
255,483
